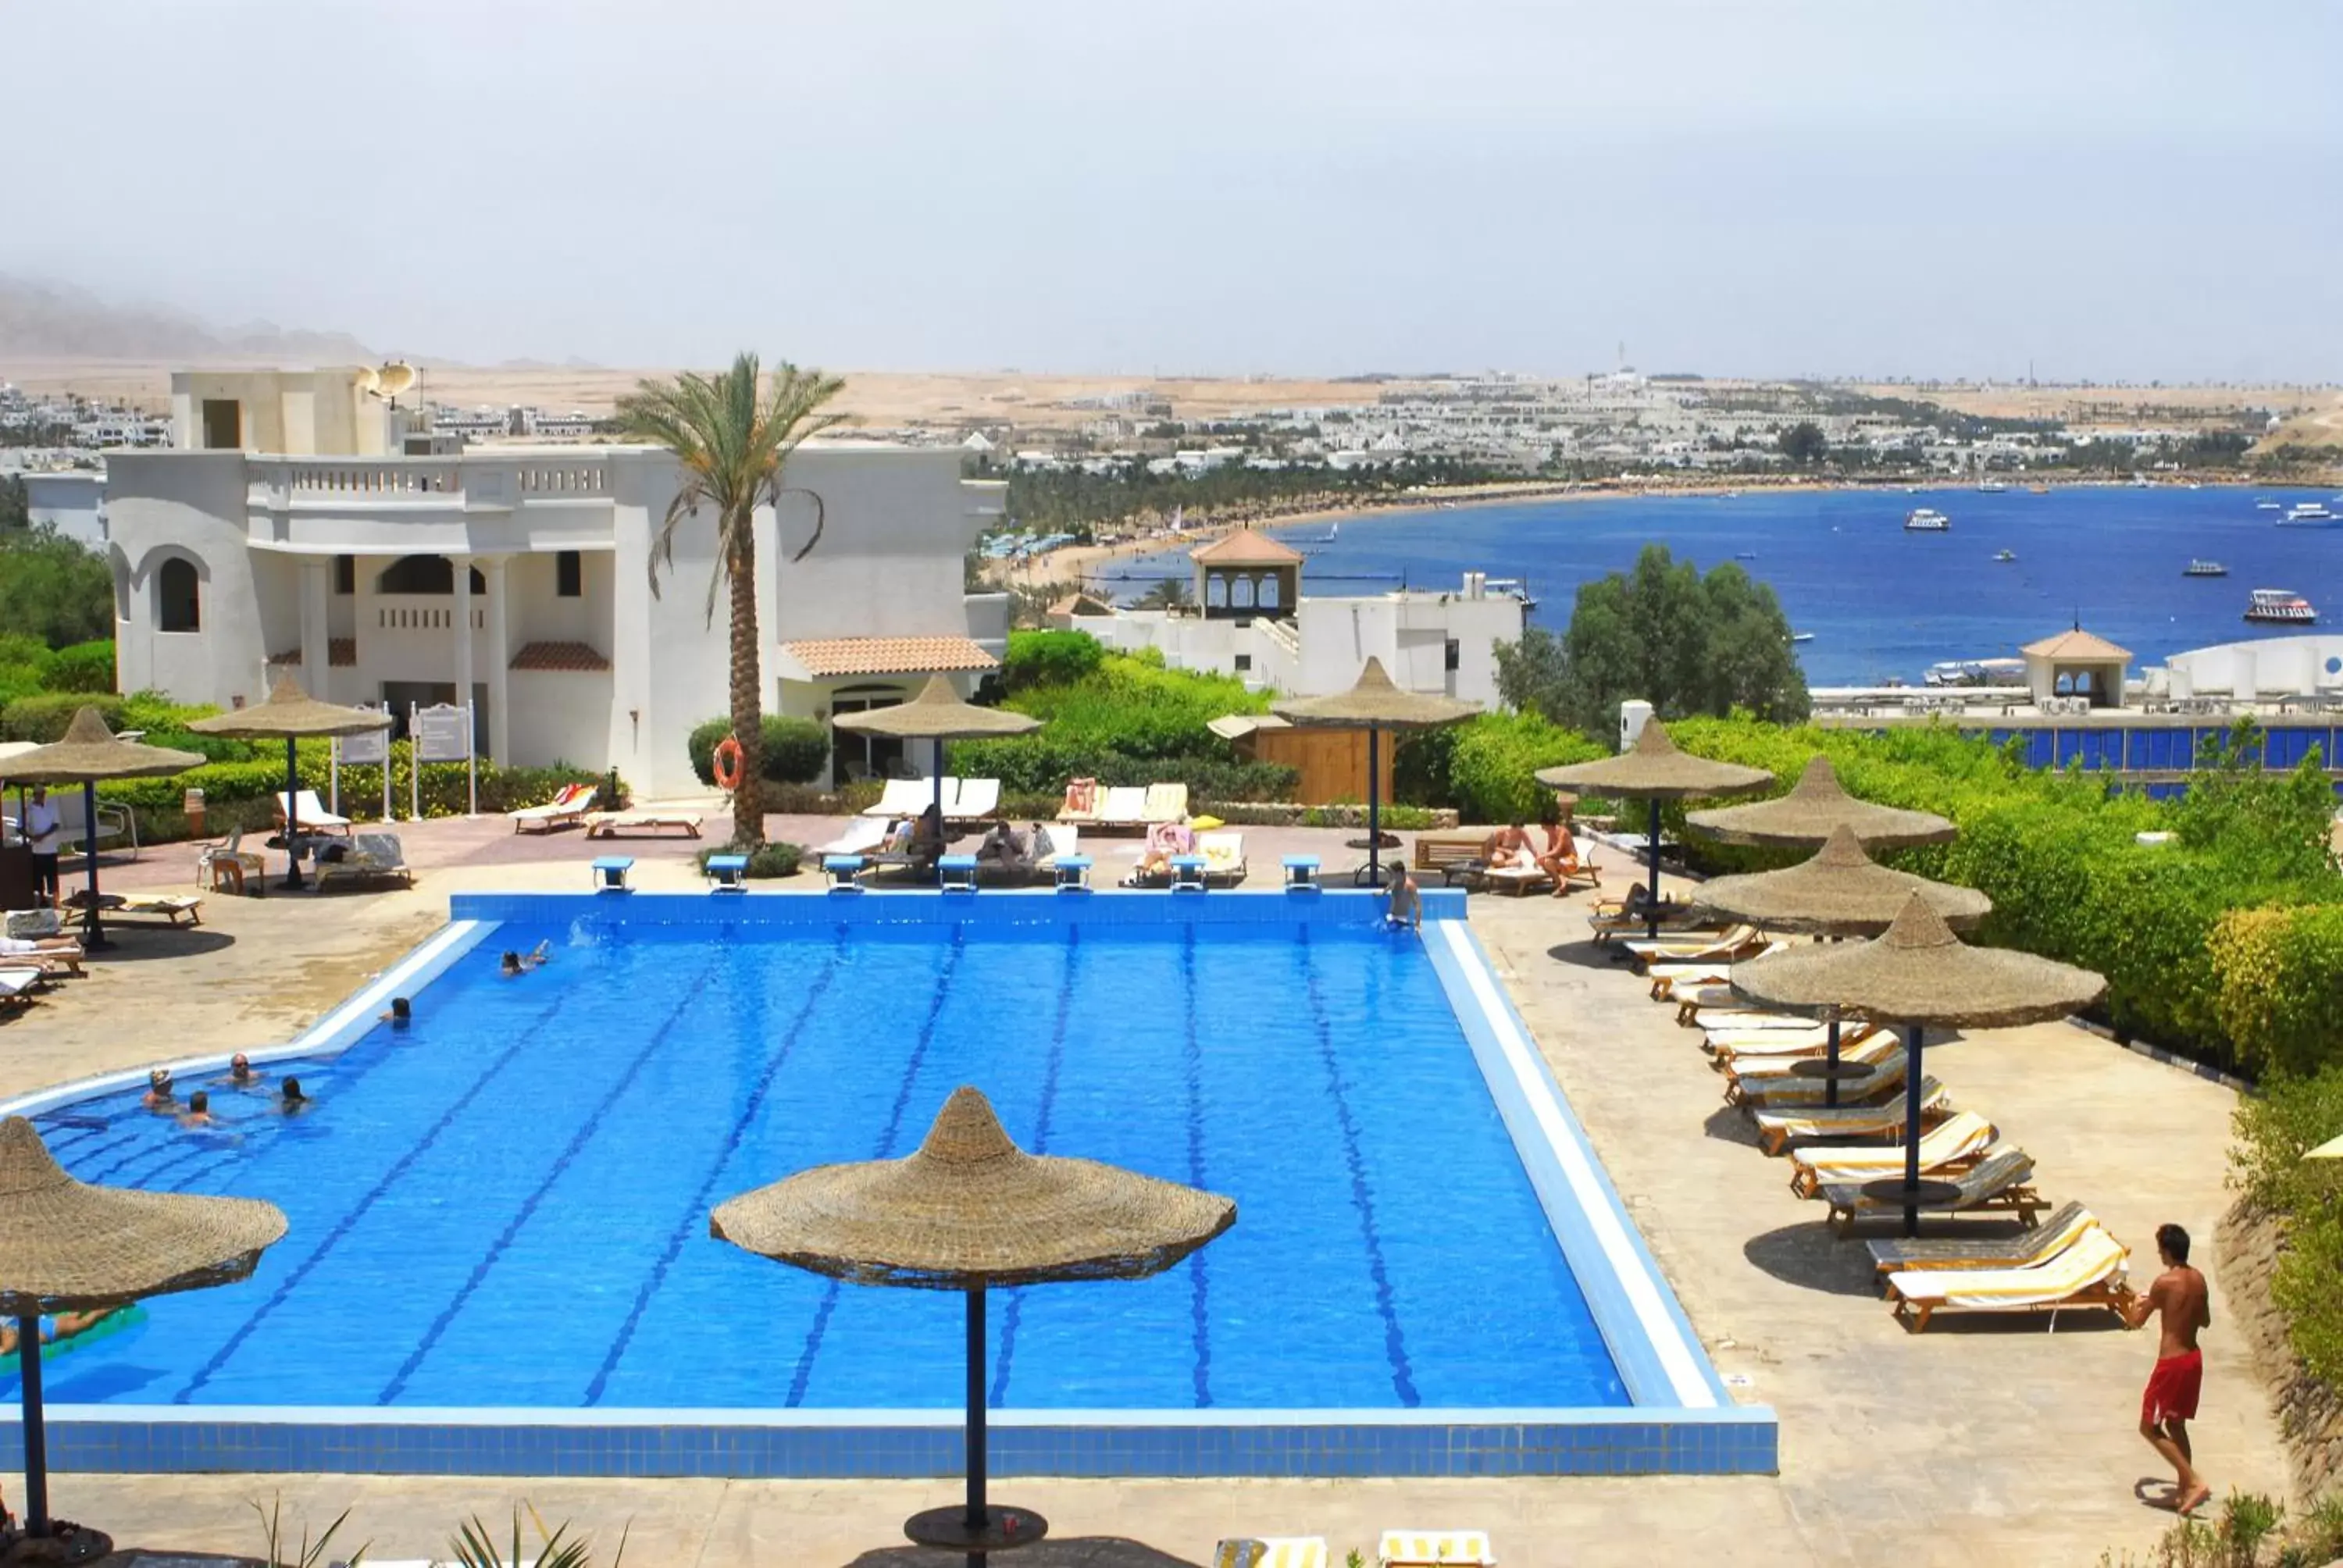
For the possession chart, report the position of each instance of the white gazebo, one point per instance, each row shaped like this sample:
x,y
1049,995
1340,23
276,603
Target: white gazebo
x,y
2077,663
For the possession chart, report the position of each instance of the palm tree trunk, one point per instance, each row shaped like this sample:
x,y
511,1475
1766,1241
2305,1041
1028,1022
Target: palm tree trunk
x,y
747,688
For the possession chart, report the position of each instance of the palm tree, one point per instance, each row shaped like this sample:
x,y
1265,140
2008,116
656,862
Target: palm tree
x,y
731,442
1168,593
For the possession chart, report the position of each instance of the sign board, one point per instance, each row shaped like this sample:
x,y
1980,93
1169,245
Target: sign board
x,y
371,749
443,734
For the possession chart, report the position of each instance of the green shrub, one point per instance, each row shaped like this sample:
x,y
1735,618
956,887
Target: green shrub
x,y
1492,759
765,861
44,717
795,749
1050,658
1419,766
83,667
1390,817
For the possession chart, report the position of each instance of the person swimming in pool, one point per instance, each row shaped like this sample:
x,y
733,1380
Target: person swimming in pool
x,y
515,963
240,1076
59,1329
159,1093
198,1112
291,1100
401,1013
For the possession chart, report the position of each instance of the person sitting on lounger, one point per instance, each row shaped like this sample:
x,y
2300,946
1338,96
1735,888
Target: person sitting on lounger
x,y
1164,841
1002,846
159,1094
1406,901
291,1100
198,1112
1559,859
1509,850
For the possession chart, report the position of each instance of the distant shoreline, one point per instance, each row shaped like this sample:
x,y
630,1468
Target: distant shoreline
x,y
1078,563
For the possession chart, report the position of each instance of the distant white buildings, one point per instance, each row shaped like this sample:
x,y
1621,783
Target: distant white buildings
x,y
1252,620
288,529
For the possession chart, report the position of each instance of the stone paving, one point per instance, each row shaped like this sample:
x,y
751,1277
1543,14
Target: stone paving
x,y
1978,1443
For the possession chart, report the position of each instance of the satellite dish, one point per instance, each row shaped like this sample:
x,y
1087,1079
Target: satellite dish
x,y
395,378
366,379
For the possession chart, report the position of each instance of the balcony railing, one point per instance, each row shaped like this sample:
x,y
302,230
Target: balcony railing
x,y
471,480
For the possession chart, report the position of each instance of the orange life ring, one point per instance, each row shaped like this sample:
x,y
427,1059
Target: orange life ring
x,y
728,764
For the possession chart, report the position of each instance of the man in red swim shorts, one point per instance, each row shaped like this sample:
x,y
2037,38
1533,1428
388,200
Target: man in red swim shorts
x,y
2170,1402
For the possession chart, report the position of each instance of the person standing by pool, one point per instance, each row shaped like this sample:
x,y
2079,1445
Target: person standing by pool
x,y
46,834
1406,901
2180,1295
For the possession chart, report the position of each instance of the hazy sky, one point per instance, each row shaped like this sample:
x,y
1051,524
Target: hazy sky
x,y
2134,190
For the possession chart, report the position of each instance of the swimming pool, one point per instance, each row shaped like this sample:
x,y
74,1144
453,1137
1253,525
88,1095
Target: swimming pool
x,y
504,1207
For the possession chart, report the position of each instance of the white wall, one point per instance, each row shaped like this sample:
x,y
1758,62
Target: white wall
x,y
160,504
560,716
74,503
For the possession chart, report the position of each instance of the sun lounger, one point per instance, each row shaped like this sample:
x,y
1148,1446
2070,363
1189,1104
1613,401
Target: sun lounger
x,y
171,907
312,813
1434,1549
50,955
1514,880
2088,1273
1224,858
2055,1235
1724,948
906,797
371,857
1056,842
18,986
1952,1144
613,824
1165,803
1770,1083
1271,1552
862,835
1082,803
1693,973
1777,1129
1758,1045
1123,805
1750,1018
1625,915
226,865
564,811
973,800
1998,1183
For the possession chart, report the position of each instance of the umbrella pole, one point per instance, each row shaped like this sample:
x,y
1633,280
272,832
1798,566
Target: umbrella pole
x,y
1912,1131
93,929
37,1448
1374,818
1830,1085
1652,909
292,819
939,810
977,1518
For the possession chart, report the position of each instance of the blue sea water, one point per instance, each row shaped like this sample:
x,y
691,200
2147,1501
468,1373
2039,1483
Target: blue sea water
x,y
1881,602
506,1204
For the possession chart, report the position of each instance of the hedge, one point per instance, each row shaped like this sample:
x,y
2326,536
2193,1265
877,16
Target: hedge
x,y
44,717
1493,759
1050,658
2226,944
795,749
86,667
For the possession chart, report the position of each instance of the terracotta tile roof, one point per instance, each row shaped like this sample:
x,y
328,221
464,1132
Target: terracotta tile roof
x,y
1245,547
2076,644
887,655
576,657
341,653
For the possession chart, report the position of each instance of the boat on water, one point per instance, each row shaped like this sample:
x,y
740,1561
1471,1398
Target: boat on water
x,y
1745,555
2004,555
2267,507
1976,672
1926,520
2200,569
2309,515
2280,607
1802,637
1990,486
1510,587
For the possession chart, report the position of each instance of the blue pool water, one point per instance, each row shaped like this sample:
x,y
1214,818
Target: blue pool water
x,y
507,1205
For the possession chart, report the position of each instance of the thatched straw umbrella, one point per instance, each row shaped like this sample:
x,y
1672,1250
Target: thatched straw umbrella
x,y
1919,973
967,1211
1841,893
1816,807
67,1247
293,714
87,753
1653,770
1379,705
939,715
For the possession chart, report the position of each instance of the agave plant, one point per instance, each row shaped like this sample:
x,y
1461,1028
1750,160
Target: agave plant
x,y
307,1554
475,1547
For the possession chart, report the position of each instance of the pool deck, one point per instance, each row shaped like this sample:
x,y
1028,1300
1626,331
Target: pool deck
x,y
1975,1443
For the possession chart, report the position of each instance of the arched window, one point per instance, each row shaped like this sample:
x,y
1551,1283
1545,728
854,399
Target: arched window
x,y
178,600
1241,593
425,574
1216,590
1269,591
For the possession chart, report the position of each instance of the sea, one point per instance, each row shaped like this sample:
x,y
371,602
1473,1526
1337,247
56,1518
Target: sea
x,y
1883,604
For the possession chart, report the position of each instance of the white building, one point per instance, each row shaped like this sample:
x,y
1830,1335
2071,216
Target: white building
x,y
1252,619
280,533
72,500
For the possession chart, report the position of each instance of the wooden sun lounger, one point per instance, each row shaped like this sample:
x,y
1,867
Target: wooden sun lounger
x,y
1772,1085
1955,1143
1996,1184
566,809
2053,1235
2088,1273
171,907
1777,1129
1434,1549
627,824
1728,1052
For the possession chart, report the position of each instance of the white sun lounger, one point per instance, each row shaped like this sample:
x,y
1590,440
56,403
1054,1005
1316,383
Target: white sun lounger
x,y
313,815
909,796
1434,1549
1122,806
2090,1273
1165,803
17,985
567,807
1777,1129
1959,1139
975,799
862,835
1271,1552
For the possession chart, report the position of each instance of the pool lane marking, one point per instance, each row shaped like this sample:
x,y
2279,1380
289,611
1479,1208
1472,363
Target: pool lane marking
x,y
1602,1215
559,1168
1362,1198
694,1213
804,1373
1201,1289
1010,1318
342,1227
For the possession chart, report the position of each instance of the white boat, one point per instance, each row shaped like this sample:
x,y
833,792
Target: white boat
x,y
2267,507
1926,520
2280,607
1510,587
2309,514
1991,486
1976,672
2004,555
1802,637
2197,567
